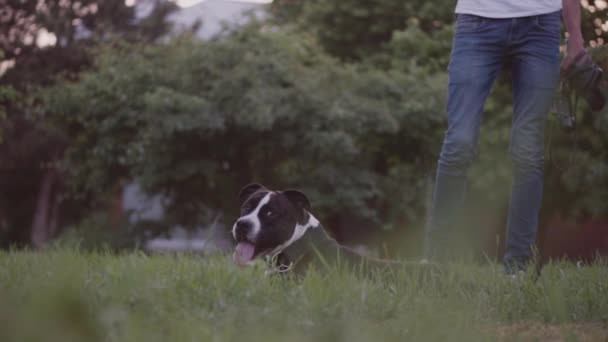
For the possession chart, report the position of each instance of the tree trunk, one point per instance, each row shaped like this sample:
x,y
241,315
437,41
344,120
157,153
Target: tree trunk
x,y
54,215
41,227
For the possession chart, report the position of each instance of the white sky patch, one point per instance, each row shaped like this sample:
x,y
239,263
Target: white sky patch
x,y
188,3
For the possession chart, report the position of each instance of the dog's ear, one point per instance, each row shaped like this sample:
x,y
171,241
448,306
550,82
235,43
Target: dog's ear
x,y
248,190
298,199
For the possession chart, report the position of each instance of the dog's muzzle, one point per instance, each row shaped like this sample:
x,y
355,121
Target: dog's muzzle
x,y
241,230
245,249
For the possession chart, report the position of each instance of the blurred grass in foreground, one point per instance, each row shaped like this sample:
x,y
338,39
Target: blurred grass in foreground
x,y
66,295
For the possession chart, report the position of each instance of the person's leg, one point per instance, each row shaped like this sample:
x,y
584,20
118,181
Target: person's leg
x,y
535,72
477,55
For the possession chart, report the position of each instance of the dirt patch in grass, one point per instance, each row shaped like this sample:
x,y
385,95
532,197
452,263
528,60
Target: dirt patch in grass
x,y
532,331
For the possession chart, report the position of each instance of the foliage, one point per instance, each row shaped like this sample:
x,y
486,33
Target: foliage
x,y
72,296
594,22
579,160
26,22
418,51
262,107
415,38
7,94
342,98
98,232
29,147
356,29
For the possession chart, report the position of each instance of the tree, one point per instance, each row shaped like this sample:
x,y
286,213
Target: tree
x,y
264,106
357,29
415,38
31,183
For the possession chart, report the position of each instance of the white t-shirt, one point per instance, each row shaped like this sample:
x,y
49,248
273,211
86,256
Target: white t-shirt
x,y
507,8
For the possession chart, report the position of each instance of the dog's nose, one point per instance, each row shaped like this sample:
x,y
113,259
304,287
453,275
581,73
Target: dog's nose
x,y
241,230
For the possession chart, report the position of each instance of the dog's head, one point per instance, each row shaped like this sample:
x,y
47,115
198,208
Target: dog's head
x,y
269,221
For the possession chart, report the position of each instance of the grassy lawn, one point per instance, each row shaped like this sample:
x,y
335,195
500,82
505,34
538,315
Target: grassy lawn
x,y
66,295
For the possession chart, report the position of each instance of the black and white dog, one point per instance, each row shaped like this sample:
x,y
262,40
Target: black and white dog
x,y
278,225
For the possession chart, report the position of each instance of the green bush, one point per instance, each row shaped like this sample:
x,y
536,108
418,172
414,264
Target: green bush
x,y
360,29
198,120
351,114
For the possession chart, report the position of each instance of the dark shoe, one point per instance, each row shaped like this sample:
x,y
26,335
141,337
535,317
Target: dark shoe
x,y
518,267
516,264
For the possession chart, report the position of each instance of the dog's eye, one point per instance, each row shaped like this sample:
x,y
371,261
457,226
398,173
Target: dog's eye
x,y
269,213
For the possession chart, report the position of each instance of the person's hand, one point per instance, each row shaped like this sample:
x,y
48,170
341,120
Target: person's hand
x,y
574,53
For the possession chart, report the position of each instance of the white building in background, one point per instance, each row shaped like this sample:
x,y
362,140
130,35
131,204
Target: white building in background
x,y
214,14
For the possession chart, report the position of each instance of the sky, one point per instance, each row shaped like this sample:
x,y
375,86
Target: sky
x,y
186,3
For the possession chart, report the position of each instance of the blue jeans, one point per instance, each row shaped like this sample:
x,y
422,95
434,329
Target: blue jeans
x,y
481,47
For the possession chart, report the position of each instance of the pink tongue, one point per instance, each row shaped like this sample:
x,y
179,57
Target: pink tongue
x,y
243,253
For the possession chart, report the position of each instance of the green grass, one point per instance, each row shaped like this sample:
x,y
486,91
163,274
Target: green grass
x,y
67,295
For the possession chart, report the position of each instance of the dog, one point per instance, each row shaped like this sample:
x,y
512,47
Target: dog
x,y
279,226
